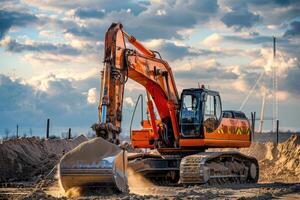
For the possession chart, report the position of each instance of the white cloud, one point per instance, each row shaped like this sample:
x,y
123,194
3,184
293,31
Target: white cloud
x,y
282,96
213,39
161,12
129,101
92,96
5,41
283,61
240,85
154,44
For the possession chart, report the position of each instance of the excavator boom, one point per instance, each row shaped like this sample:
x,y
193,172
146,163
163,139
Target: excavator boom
x,y
120,64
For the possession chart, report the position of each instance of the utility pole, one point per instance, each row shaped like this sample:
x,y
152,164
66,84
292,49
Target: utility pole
x,y
275,88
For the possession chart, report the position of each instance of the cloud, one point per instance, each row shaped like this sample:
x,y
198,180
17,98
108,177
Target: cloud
x,y
252,39
9,19
205,70
267,2
50,97
213,39
82,31
240,19
291,82
95,19
294,29
12,45
169,50
92,96
89,13
207,6
129,101
108,5
276,12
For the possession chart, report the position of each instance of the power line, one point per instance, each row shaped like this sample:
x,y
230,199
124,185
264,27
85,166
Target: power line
x,y
251,91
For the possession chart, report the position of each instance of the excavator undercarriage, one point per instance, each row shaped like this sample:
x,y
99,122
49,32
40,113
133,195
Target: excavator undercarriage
x,y
110,170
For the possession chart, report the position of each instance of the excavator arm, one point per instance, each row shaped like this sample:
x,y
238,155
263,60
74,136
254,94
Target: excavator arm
x,y
100,161
146,68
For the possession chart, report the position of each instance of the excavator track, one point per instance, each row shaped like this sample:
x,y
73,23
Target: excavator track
x,y
218,168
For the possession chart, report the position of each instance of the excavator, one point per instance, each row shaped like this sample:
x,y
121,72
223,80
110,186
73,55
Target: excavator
x,y
181,129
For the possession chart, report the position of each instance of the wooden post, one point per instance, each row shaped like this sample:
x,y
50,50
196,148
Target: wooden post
x,y
69,134
254,118
277,131
48,127
17,133
253,115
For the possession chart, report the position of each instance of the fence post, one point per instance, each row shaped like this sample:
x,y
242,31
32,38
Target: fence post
x,y
277,130
48,127
253,116
69,134
17,133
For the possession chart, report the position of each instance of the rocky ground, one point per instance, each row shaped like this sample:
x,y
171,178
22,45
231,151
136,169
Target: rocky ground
x,y
279,175
253,191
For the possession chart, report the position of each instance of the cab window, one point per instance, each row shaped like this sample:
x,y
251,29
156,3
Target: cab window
x,y
190,115
212,112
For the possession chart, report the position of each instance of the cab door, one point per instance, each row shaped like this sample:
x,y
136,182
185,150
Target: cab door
x,y
190,115
212,117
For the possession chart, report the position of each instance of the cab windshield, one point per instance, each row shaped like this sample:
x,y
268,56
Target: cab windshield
x,y
190,115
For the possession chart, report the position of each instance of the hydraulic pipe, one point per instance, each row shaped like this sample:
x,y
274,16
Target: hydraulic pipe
x,y
139,45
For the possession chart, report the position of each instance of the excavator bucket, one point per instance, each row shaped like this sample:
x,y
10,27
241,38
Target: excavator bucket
x,y
94,163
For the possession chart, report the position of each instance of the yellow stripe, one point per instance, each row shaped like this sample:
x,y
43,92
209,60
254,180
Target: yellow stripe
x,y
238,131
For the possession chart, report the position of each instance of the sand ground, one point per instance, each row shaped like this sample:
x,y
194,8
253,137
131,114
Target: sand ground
x,y
279,175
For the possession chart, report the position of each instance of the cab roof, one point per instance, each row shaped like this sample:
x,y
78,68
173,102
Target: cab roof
x,y
200,90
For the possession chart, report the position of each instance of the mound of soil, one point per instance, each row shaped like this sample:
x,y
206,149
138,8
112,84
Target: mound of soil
x,y
26,158
278,162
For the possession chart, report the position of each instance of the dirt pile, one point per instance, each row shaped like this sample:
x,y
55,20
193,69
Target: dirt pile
x,y
27,158
277,162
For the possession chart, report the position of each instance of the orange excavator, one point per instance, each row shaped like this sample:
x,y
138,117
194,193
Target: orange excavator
x,y
188,125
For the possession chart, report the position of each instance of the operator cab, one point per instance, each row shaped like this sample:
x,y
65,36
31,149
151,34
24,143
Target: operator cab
x,y
200,111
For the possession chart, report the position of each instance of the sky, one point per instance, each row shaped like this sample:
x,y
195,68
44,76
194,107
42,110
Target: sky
x,y
51,55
